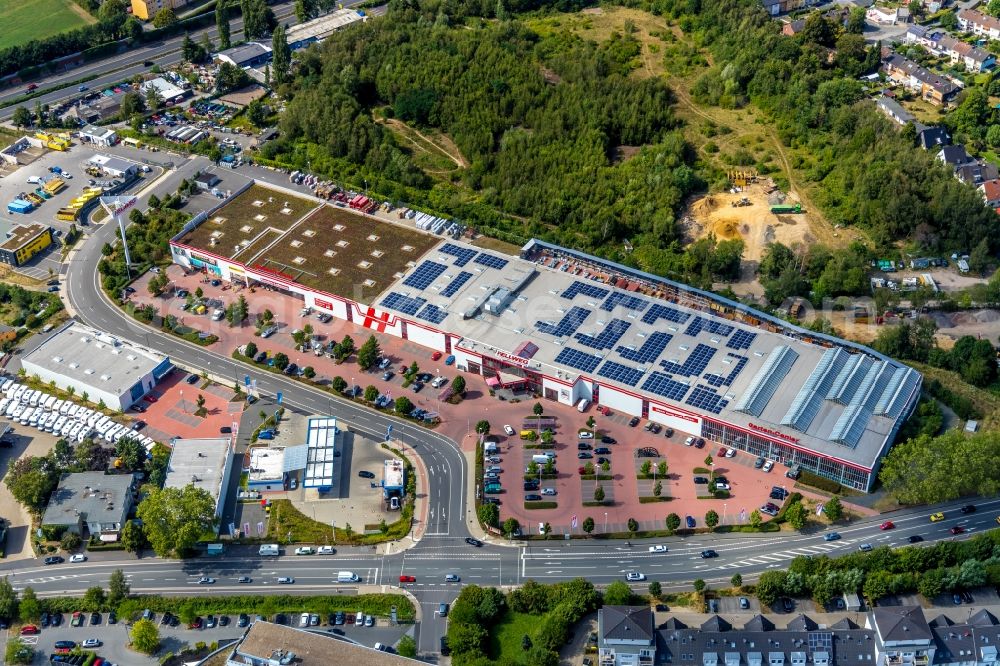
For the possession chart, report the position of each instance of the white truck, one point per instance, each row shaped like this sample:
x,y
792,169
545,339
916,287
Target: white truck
x,y
269,549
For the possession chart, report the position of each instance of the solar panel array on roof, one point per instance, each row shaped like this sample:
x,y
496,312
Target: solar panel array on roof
x,y
575,358
695,364
526,349
741,340
719,380
767,380
491,261
404,304
705,398
585,288
426,272
432,313
571,321
607,338
669,388
620,373
700,323
658,312
462,254
650,350
456,284
624,300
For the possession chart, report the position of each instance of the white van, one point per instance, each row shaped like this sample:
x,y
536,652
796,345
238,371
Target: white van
x,y
26,415
51,421
75,430
57,405
582,405
11,407
49,401
83,434
58,425
114,430
26,396
37,414
102,424
94,418
540,459
64,410
7,383
64,431
73,409
268,549
347,577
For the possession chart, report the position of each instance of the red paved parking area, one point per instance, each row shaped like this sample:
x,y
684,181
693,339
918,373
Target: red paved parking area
x,y
750,487
173,413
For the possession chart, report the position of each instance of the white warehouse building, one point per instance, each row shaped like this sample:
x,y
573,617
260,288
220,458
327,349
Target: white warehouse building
x,y
119,372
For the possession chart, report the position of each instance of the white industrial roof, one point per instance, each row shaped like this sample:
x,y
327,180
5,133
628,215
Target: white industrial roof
x,y
201,462
321,440
267,463
93,358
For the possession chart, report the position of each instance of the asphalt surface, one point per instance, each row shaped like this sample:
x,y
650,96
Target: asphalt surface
x,y
442,549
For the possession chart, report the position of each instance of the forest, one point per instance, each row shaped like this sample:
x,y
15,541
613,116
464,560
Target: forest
x,y
869,173
538,119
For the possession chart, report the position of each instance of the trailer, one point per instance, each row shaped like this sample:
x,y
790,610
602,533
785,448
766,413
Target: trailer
x,y
786,209
20,206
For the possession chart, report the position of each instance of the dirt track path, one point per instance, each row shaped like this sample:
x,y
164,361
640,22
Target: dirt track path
x,y
406,130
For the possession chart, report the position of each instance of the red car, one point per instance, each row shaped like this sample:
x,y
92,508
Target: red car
x,y
887,525
32,86
957,529
149,398
435,356
604,410
407,579
196,624
29,630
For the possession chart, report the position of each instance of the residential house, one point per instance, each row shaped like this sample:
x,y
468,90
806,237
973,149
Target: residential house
x,y
932,137
792,28
625,636
893,110
887,15
978,172
955,156
778,7
902,636
931,87
973,59
990,189
970,20
91,503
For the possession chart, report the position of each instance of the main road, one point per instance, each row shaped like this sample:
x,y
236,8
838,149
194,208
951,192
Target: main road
x,y
442,549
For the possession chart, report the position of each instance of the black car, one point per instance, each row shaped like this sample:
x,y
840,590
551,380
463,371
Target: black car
x,y
243,620
226,430
445,650
387,375
583,446
530,485
700,480
174,621
491,500
138,425
584,455
634,421
608,440
165,620
656,428
669,432
425,377
291,369
708,554
364,474
969,508
474,542
95,618
532,498
602,450
44,619
281,618
112,618
54,559
261,357
700,444
915,538
193,379
55,619
338,617
416,386
224,621
758,463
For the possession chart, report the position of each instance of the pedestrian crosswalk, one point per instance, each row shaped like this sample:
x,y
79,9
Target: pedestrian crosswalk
x,y
819,549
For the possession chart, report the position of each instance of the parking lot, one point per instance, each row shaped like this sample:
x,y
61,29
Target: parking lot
x,y
175,636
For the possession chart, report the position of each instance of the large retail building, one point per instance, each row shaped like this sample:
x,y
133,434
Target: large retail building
x,y
573,327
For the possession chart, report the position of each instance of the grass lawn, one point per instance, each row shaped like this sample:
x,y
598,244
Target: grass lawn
x,y
24,20
505,636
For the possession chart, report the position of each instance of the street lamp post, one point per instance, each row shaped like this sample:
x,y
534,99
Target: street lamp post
x,y
724,512
605,522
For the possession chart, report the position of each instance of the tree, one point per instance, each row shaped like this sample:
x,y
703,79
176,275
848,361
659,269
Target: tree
x,y
711,518
699,585
165,17
834,509
133,537
230,77
145,637
599,494
483,427
661,468
258,18
30,609
856,21
118,588
176,518
371,394
545,529
30,481
617,593
93,598
657,489
403,405
673,522
511,526
647,468
281,56
633,526
537,409
131,452
309,372
222,24
369,354
795,514
250,350
131,105
338,383
979,258
281,361
21,117
407,647
655,589
8,599
736,580
708,461
588,524
305,10
756,520
192,52
19,653
489,514
458,385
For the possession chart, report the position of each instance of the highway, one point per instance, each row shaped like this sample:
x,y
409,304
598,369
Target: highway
x,y
442,549
124,66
